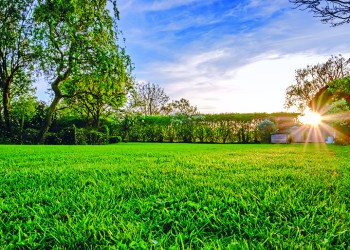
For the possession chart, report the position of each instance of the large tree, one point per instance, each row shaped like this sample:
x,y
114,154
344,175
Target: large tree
x,y
16,51
335,12
94,96
310,80
80,38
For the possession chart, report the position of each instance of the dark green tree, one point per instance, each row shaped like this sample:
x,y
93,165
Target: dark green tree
x,y
16,50
80,38
95,96
24,110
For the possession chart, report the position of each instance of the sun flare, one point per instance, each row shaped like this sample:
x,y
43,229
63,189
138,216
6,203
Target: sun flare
x,y
310,118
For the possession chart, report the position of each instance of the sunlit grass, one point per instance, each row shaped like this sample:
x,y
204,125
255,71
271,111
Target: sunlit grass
x,y
163,196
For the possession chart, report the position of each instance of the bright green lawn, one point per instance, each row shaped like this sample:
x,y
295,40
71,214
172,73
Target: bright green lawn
x,y
179,196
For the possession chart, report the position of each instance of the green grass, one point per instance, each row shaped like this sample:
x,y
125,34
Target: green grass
x,y
175,196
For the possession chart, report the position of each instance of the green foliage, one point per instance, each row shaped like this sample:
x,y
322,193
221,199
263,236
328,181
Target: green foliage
x,y
107,134
310,80
80,136
68,135
16,54
30,135
174,196
53,139
266,128
209,128
94,137
339,108
81,55
39,115
340,89
342,139
115,139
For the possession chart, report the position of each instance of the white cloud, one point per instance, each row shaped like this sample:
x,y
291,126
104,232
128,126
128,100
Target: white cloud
x,y
244,65
158,5
258,86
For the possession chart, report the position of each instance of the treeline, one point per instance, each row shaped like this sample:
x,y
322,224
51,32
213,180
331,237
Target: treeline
x,y
205,128
198,128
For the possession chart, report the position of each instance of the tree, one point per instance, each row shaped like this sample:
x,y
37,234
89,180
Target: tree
x,y
24,110
335,12
80,38
340,88
183,106
149,99
16,54
313,78
266,128
93,96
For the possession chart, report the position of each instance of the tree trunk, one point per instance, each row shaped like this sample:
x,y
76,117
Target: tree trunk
x,y
56,100
22,127
48,119
96,120
6,106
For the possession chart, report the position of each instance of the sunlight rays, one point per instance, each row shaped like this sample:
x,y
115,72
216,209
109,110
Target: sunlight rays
x,y
311,118
321,127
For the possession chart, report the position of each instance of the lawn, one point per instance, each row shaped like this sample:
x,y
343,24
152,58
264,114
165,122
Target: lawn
x,y
175,196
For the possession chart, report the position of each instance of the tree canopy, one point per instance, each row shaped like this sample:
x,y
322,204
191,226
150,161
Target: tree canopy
x,y
310,80
16,50
80,38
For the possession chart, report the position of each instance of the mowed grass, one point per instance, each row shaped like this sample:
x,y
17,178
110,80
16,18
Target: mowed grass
x,y
175,196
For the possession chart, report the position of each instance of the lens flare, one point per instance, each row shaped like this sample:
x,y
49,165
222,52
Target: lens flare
x,y
310,118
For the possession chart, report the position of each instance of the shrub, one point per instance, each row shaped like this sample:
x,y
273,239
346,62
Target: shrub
x,y
107,134
68,135
266,127
6,139
53,139
30,136
95,137
80,137
115,139
342,140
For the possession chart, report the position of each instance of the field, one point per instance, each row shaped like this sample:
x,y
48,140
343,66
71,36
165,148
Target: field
x,y
175,196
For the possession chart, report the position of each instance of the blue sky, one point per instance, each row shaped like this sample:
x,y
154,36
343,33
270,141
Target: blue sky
x,y
226,55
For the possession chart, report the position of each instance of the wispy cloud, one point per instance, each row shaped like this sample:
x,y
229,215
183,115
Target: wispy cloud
x,y
160,5
226,55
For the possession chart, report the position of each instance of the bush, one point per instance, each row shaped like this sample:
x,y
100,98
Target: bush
x,y
30,136
115,139
53,139
342,140
68,135
107,134
80,137
95,138
6,139
266,127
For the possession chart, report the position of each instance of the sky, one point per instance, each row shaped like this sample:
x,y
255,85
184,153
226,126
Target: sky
x,y
225,55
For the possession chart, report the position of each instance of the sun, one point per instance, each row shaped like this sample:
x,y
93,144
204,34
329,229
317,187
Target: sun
x,y
310,118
